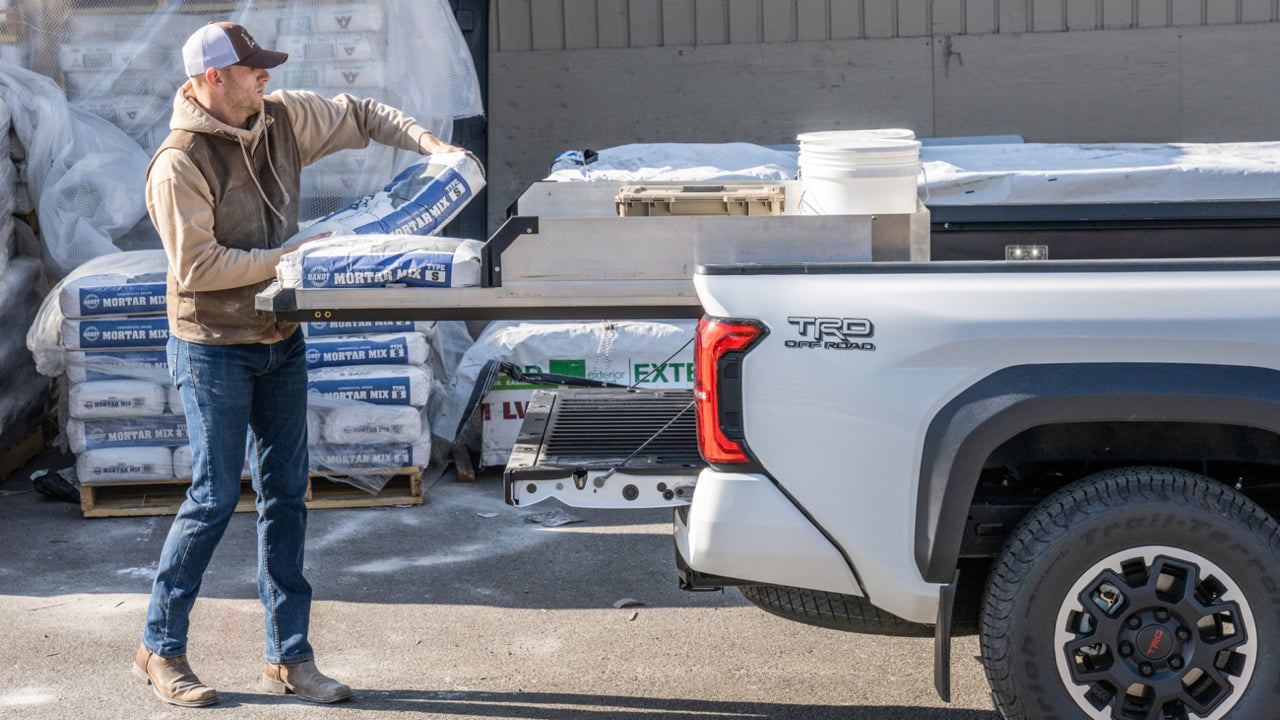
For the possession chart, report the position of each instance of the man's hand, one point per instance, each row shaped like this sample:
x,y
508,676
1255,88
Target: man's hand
x,y
432,145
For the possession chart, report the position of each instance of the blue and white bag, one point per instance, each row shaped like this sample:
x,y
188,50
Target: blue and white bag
x,y
406,348
382,385
372,261
159,431
419,201
115,333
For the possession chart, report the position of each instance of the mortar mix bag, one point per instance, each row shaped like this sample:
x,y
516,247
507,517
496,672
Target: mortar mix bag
x,y
373,261
623,353
102,290
419,201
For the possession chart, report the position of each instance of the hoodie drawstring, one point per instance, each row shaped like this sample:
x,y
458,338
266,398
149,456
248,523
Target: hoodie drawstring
x,y
253,174
266,140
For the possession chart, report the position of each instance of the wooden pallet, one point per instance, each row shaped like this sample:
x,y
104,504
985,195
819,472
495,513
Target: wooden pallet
x,y
20,453
125,499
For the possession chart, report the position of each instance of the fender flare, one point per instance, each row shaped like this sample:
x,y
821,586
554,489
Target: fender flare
x,y
965,431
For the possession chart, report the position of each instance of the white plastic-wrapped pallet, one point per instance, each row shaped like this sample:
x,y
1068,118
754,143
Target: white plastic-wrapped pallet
x,y
652,354
378,49
83,174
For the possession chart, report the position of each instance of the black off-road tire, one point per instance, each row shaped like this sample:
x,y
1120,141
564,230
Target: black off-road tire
x,y
831,610
1157,520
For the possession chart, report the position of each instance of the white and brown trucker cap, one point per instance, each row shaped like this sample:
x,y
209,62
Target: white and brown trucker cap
x,y
220,44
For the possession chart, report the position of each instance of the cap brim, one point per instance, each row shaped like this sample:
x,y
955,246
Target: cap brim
x,y
265,59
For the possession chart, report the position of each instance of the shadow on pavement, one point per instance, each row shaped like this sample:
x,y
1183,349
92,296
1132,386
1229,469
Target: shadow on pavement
x,y
566,706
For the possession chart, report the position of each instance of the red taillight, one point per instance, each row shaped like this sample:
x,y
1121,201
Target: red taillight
x,y
716,338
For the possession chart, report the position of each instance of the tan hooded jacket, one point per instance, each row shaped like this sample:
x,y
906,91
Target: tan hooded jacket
x,y
224,199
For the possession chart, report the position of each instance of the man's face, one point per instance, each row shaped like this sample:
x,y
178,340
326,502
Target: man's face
x,y
243,90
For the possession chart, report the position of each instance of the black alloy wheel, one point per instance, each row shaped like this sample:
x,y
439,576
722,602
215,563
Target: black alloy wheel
x,y
1137,594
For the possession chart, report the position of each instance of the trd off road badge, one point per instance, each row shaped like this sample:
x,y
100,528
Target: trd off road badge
x,y
819,333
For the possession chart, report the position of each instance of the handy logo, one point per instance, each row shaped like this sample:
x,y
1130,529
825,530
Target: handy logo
x,y
318,276
831,333
92,334
313,356
91,302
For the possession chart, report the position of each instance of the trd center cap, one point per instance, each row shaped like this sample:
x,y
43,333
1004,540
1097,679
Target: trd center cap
x,y
1154,642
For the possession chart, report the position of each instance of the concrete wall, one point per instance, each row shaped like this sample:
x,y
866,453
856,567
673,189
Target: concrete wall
x,y
594,73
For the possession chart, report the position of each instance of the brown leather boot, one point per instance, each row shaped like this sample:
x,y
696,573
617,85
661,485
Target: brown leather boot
x,y
172,679
305,681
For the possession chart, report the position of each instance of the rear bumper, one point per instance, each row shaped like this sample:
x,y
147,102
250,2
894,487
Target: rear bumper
x,y
742,526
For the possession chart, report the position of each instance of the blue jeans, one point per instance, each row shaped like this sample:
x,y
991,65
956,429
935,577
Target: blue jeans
x,y
230,392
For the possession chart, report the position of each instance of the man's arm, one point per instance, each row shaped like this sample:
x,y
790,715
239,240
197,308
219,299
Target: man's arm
x,y
323,126
181,207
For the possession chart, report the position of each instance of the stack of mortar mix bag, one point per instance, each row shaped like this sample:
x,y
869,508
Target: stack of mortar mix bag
x,y
105,326
368,383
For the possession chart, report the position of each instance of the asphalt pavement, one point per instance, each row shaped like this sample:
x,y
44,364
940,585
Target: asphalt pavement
x,y
462,607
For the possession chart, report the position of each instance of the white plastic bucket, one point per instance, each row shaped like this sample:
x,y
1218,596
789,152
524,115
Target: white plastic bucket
x,y
872,134
859,176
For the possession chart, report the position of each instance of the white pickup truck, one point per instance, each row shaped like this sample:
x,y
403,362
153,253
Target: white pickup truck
x,y
1078,459
1092,445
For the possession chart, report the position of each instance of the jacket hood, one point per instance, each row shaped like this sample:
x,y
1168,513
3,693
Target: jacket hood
x,y
189,116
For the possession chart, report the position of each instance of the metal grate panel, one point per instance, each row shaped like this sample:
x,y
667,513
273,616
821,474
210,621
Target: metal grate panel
x,y
581,429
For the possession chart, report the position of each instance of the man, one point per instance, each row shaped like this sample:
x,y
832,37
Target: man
x,y
222,191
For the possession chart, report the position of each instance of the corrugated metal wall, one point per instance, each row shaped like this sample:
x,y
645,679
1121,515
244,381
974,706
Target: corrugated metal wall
x,y
597,73
519,25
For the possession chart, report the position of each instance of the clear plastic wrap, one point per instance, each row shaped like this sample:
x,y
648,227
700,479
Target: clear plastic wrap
x,y
124,464
353,425
125,66
116,399
84,174
83,366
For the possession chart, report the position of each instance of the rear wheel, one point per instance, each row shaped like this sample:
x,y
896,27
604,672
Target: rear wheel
x,y
1143,594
